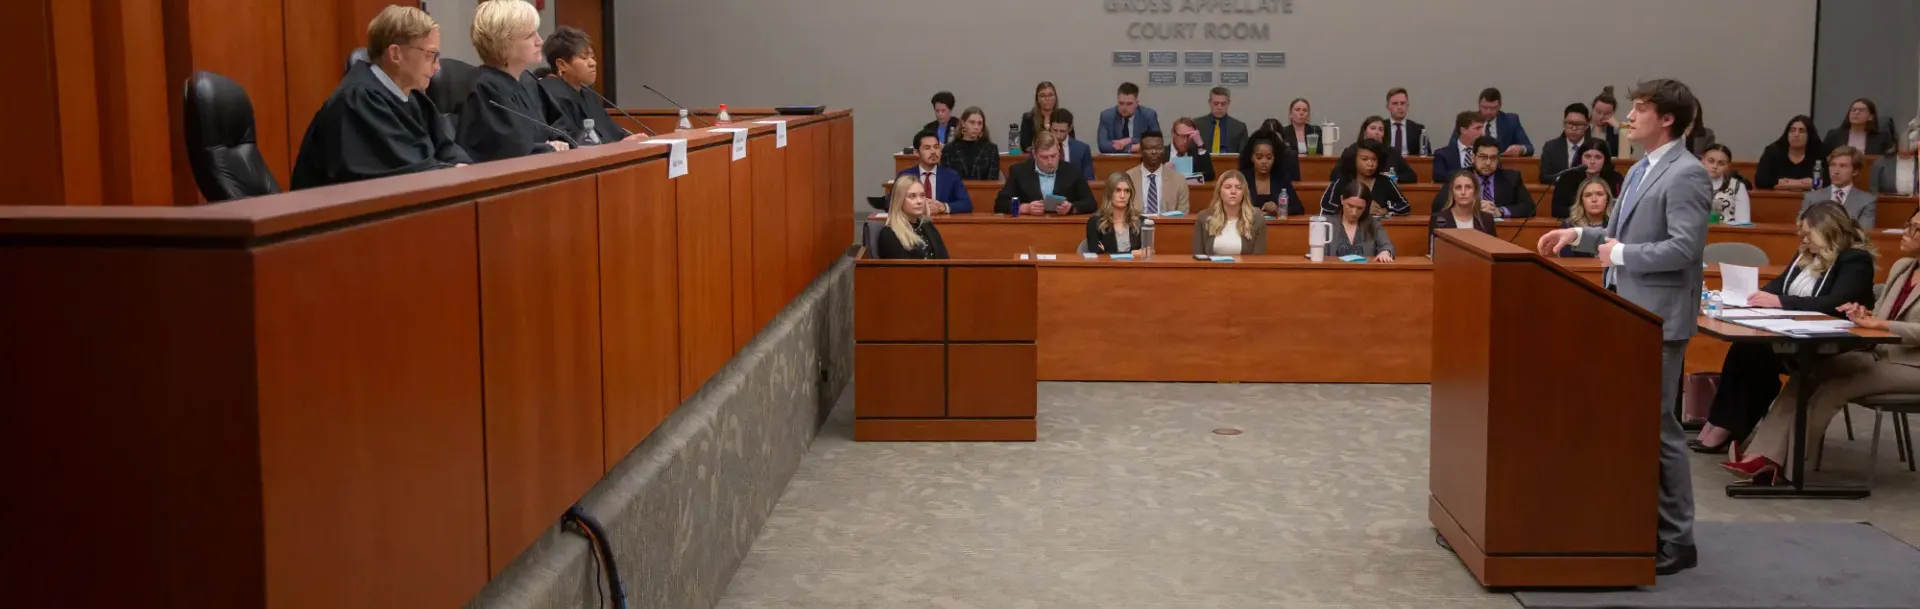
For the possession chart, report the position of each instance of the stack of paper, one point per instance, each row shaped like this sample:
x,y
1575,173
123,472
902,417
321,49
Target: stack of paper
x,y
1794,327
1737,283
1787,313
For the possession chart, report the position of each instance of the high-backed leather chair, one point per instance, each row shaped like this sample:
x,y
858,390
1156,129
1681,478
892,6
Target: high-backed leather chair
x,y
220,140
358,55
449,88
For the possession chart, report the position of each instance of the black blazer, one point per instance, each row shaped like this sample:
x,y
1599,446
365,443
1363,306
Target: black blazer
x,y
1382,191
1447,161
1509,191
1567,191
1877,143
512,129
1443,218
1027,132
1554,158
1402,171
887,246
1023,182
1414,131
1286,133
1850,280
1278,183
1105,242
1774,166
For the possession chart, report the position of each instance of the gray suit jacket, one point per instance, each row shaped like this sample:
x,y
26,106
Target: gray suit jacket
x,y
1885,173
1860,204
1663,229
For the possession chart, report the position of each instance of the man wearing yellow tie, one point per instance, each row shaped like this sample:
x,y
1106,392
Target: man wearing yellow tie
x,y
1218,132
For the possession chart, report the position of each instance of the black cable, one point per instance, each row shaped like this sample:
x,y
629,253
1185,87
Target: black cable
x,y
597,535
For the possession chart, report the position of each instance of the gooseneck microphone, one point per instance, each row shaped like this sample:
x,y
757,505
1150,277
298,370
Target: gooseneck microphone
x,y
675,103
563,135
609,103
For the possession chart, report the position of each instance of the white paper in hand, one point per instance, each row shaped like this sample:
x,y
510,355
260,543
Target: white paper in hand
x,y
1738,283
739,141
779,132
676,158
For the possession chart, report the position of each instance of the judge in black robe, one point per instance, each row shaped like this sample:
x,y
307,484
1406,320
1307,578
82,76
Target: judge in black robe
x,y
370,128
573,107
489,132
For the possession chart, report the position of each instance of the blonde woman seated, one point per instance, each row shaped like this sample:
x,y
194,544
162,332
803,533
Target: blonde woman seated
x,y
1230,226
1463,205
1115,229
909,234
500,119
1359,233
1846,377
1590,210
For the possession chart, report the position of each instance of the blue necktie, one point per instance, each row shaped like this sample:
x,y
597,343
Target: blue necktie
x,y
1633,182
1153,194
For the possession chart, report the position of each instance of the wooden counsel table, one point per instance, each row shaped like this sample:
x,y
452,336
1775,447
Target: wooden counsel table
x,y
378,394
1200,196
1506,411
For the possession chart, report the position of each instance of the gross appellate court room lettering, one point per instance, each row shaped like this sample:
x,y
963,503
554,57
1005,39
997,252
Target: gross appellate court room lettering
x,y
1000,304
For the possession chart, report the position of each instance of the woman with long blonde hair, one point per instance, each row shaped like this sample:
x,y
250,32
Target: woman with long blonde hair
x,y
1046,98
493,123
909,234
1115,229
1230,225
1834,267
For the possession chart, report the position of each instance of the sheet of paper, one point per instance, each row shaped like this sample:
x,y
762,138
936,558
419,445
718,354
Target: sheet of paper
x,y
676,159
1788,313
1738,283
1089,255
779,132
1742,314
1221,258
1828,323
1047,257
739,141
1184,165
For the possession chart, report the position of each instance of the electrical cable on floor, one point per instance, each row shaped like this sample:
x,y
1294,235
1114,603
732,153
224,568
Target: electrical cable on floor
x,y
596,536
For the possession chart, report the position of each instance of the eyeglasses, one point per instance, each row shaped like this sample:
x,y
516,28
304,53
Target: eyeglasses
x,y
1486,157
1913,228
1577,124
433,56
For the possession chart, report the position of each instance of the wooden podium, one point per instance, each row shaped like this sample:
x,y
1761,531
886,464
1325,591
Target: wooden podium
x,y
944,350
1545,429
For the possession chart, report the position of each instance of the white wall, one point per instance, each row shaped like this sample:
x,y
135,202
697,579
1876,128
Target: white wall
x,y
1749,60
456,26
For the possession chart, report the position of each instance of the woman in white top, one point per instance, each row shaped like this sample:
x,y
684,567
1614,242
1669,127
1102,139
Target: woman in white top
x,y
1897,174
1730,198
1230,226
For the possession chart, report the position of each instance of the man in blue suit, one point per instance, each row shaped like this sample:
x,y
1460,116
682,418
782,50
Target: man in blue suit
x,y
1121,125
1503,127
943,185
1072,151
1467,127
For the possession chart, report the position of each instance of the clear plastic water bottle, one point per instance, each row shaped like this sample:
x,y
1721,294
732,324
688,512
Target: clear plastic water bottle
x,y
1819,168
684,123
1016,207
1282,203
723,118
1146,237
592,136
1713,304
1426,146
1013,138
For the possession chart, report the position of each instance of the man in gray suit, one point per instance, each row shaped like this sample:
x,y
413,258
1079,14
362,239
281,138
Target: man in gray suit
x,y
1653,253
1842,165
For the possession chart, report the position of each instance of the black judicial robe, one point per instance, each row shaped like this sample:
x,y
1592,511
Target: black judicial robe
x,y
568,108
364,131
490,133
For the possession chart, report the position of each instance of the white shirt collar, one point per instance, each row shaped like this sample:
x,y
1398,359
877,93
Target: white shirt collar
x,y
1653,157
388,81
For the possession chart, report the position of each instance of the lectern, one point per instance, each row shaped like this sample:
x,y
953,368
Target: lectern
x,y
1545,422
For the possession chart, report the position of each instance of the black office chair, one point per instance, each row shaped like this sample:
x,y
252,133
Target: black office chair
x,y
220,140
449,88
358,55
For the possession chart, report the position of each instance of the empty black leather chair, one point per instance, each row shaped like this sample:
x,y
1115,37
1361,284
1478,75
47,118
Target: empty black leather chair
x,y
449,88
220,142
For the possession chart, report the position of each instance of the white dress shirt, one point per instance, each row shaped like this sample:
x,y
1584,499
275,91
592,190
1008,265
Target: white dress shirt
x,y
1227,243
1619,256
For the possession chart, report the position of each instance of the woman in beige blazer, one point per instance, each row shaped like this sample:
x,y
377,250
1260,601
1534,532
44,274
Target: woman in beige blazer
x,y
1891,368
1230,226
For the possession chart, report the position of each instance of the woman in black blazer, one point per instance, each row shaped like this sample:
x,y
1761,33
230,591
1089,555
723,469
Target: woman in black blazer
x,y
1117,219
1264,162
1463,205
1298,126
1362,160
1375,128
1833,267
909,233
1863,124
1598,161
1046,99
1787,163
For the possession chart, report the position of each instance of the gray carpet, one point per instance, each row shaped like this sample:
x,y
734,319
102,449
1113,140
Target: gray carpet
x,y
1773,565
1128,501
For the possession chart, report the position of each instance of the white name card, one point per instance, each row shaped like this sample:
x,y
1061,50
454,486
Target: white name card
x,y
739,141
676,158
779,132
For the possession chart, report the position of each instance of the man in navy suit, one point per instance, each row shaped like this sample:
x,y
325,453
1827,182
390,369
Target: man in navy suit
x,y
1503,127
943,184
1073,151
1467,127
1121,125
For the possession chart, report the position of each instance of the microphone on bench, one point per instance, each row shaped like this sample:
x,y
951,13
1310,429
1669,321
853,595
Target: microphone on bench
x,y
608,103
562,134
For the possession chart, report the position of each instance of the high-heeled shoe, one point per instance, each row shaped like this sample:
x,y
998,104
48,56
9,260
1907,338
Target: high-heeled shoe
x,y
1701,447
1752,468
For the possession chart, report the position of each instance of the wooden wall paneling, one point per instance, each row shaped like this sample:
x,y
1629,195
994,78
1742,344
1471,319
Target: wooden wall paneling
x,y
315,60
801,211
588,16
639,304
703,216
992,380
90,431
769,237
244,40
824,249
740,210
1462,382
899,303
77,78
990,303
900,381
36,175
370,409
540,329
140,103
841,200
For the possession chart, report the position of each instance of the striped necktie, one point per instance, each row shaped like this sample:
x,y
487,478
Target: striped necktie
x,y
1153,193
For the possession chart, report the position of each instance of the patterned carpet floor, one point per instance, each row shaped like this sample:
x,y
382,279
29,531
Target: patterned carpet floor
x,y
1130,501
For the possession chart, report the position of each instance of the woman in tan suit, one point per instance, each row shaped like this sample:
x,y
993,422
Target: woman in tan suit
x,y
1230,226
1893,368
